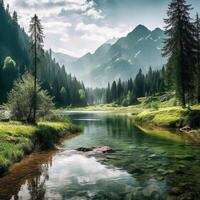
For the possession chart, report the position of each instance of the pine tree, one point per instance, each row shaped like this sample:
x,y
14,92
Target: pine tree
x,y
108,94
63,96
15,17
2,3
36,31
139,85
114,91
179,47
197,37
119,89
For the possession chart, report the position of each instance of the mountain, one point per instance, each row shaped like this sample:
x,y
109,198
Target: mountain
x,y
112,41
89,62
141,48
63,59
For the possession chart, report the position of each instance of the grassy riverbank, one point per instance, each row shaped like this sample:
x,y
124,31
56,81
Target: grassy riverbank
x,y
151,111
172,117
17,139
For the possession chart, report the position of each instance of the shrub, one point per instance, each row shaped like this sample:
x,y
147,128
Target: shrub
x,y
155,105
56,118
20,100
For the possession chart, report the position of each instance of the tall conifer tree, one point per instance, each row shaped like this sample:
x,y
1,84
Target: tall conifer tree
x,y
36,31
179,48
2,3
197,37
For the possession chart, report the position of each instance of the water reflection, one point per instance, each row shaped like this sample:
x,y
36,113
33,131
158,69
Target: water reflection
x,y
142,166
27,178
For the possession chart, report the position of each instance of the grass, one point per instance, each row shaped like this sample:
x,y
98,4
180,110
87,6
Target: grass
x,y
154,111
168,117
18,139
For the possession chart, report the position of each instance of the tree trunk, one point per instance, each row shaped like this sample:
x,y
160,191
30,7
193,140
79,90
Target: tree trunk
x,y
35,80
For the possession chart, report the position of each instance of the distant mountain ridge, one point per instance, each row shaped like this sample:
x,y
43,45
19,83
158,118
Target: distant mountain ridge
x,y
122,58
63,59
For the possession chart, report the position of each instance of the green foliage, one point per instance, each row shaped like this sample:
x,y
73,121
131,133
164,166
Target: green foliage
x,y
63,95
54,117
9,65
20,100
197,64
169,117
129,100
16,43
139,85
126,93
180,50
155,105
8,74
18,139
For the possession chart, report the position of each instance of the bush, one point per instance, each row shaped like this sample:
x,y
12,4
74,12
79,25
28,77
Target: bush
x,y
56,118
155,105
20,100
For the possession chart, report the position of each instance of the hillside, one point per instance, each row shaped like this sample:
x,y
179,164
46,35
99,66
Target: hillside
x,y
141,48
16,59
63,59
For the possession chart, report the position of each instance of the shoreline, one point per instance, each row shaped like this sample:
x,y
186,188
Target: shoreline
x,y
19,140
170,119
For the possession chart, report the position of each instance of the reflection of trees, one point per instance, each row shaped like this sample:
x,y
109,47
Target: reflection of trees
x,y
36,186
32,173
121,127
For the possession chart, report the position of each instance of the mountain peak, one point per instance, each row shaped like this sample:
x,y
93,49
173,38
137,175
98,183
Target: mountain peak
x,y
141,28
139,32
157,30
157,33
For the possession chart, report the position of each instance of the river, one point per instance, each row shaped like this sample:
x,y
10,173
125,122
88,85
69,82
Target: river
x,y
142,166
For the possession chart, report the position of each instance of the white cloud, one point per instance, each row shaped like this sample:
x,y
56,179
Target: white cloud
x,y
64,23
65,38
94,13
55,27
99,33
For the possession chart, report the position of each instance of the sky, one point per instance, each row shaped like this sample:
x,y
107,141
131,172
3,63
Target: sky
x,y
76,27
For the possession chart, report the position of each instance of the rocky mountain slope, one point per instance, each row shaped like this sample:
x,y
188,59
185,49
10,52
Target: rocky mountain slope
x,y
141,48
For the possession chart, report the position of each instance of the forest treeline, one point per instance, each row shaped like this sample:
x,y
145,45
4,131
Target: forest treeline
x,y
180,74
16,59
127,92
182,71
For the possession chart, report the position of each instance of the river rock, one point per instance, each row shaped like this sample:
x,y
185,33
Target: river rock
x,y
175,191
134,193
185,129
85,149
103,149
151,192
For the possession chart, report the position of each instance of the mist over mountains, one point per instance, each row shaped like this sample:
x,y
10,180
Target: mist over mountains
x,y
118,58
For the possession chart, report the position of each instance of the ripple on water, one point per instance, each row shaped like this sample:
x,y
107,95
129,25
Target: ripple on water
x,y
141,167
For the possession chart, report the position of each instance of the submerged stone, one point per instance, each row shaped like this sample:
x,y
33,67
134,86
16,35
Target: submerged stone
x,y
151,192
176,191
134,193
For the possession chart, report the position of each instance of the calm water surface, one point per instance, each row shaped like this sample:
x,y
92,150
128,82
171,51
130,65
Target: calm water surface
x,y
142,167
